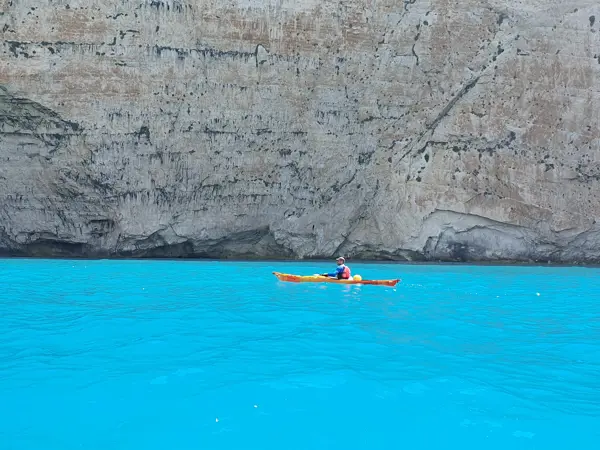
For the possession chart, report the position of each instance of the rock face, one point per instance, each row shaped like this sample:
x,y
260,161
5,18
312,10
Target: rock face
x,y
418,129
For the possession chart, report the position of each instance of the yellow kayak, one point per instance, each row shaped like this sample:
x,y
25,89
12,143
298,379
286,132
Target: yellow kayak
x,y
323,279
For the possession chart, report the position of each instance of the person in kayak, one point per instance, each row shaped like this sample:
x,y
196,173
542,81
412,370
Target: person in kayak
x,y
342,272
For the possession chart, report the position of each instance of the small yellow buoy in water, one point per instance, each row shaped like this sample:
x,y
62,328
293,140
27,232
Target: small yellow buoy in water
x,y
357,278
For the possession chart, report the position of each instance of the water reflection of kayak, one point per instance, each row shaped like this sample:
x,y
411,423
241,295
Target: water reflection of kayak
x,y
321,279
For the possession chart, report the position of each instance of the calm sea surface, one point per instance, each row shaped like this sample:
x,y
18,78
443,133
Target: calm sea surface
x,y
221,355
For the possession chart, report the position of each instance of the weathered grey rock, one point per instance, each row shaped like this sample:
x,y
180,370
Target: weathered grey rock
x,y
418,130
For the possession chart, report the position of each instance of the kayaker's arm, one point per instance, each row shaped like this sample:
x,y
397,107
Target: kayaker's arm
x,y
334,274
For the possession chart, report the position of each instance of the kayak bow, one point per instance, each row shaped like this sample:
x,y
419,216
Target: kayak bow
x,y
321,279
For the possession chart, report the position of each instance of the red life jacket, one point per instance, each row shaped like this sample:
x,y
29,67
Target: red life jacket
x,y
346,273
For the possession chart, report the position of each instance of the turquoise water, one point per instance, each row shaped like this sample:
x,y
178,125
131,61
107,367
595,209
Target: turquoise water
x,y
221,355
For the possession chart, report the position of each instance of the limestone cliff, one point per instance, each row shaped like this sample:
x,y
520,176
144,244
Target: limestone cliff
x,y
414,129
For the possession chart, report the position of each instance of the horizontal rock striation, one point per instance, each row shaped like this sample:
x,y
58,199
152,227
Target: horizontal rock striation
x,y
405,130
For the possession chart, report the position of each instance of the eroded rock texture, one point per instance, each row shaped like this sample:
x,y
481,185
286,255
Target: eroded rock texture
x,y
415,129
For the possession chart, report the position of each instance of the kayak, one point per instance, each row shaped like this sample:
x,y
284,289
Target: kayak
x,y
322,279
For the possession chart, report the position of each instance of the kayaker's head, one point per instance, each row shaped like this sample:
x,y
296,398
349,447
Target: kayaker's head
x,y
340,260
